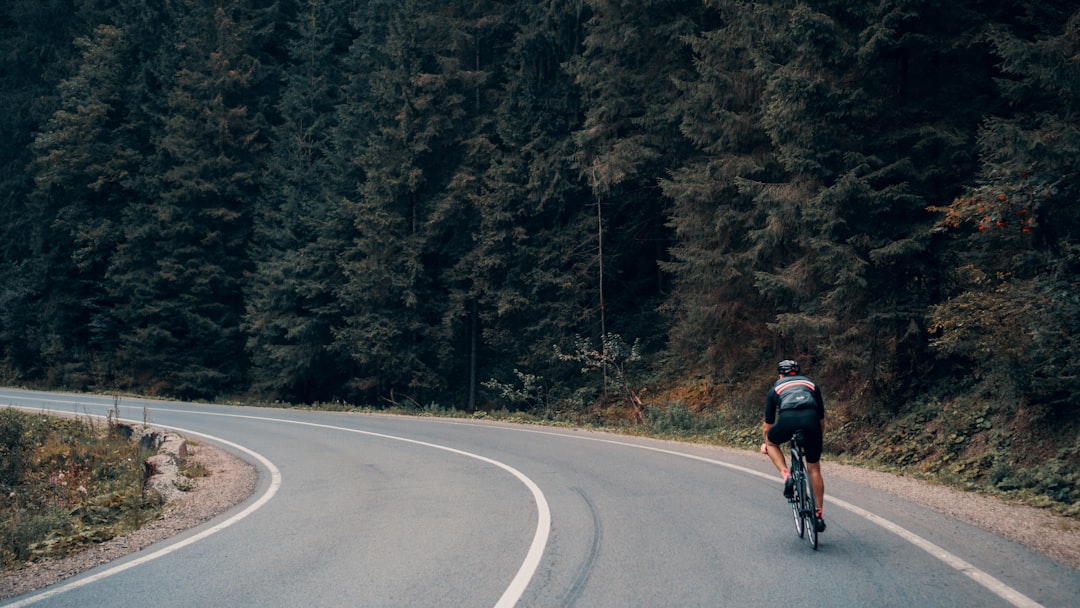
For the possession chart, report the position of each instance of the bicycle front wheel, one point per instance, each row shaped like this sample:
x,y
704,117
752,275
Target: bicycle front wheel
x,y
800,521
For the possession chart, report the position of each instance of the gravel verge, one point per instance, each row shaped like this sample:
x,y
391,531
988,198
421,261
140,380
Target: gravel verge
x,y
1055,536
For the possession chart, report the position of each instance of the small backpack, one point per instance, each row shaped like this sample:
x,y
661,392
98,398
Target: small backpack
x,y
795,392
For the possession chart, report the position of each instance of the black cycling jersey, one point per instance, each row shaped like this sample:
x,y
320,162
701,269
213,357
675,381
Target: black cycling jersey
x,y
794,403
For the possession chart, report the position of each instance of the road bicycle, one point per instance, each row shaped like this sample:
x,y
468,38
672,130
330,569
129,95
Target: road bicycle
x,y
803,507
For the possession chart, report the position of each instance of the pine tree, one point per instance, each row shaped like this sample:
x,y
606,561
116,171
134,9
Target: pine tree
x,y
178,272
471,73
826,212
34,259
717,316
815,275
86,161
633,55
403,151
290,304
522,286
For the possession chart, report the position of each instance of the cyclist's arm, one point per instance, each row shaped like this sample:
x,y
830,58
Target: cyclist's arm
x,y
771,403
770,417
819,404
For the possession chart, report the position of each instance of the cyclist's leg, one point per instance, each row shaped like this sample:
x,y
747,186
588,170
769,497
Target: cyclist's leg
x,y
813,435
776,455
779,433
817,482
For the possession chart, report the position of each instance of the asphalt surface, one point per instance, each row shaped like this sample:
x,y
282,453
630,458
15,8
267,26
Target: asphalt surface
x,y
387,511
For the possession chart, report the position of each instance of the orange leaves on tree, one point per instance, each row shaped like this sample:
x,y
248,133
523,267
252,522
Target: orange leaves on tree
x,y
996,209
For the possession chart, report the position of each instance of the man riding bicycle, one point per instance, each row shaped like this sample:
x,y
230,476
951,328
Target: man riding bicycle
x,y
794,402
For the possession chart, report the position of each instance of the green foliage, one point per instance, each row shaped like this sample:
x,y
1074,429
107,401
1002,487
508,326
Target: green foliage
x,y
512,258
617,363
18,435
801,218
628,70
1012,310
299,226
529,393
677,420
176,278
979,441
388,292
40,291
87,163
1016,332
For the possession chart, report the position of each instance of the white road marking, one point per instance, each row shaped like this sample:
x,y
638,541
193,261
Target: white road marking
x,y
987,581
997,587
528,568
509,597
275,483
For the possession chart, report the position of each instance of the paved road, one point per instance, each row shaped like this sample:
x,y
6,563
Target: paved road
x,y
384,511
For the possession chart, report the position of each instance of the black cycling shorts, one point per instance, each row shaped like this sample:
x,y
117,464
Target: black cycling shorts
x,y
791,420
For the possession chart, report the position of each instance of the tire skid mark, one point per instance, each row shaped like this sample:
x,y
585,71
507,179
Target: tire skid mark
x,y
574,593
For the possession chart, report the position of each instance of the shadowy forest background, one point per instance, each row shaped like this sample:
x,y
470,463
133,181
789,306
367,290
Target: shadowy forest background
x,y
469,203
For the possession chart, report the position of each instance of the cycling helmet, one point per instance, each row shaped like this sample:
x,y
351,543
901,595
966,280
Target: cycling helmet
x,y
787,366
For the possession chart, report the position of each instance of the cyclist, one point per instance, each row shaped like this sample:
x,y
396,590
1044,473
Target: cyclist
x,y
794,402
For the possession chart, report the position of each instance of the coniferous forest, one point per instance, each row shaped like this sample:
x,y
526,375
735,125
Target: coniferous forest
x,y
468,202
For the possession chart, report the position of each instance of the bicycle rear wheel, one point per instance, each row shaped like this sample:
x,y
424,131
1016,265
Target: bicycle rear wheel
x,y
809,511
797,475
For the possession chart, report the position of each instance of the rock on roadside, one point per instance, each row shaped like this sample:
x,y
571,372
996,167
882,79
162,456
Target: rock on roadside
x,y
163,469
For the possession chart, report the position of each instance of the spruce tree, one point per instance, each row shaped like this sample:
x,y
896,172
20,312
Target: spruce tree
x,y
471,73
37,37
717,316
298,228
177,275
633,56
523,285
824,181
861,113
87,160
399,94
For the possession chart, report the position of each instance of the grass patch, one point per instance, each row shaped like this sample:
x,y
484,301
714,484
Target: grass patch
x,y
66,484
189,472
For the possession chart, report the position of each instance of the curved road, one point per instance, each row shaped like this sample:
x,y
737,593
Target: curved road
x,y
370,510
